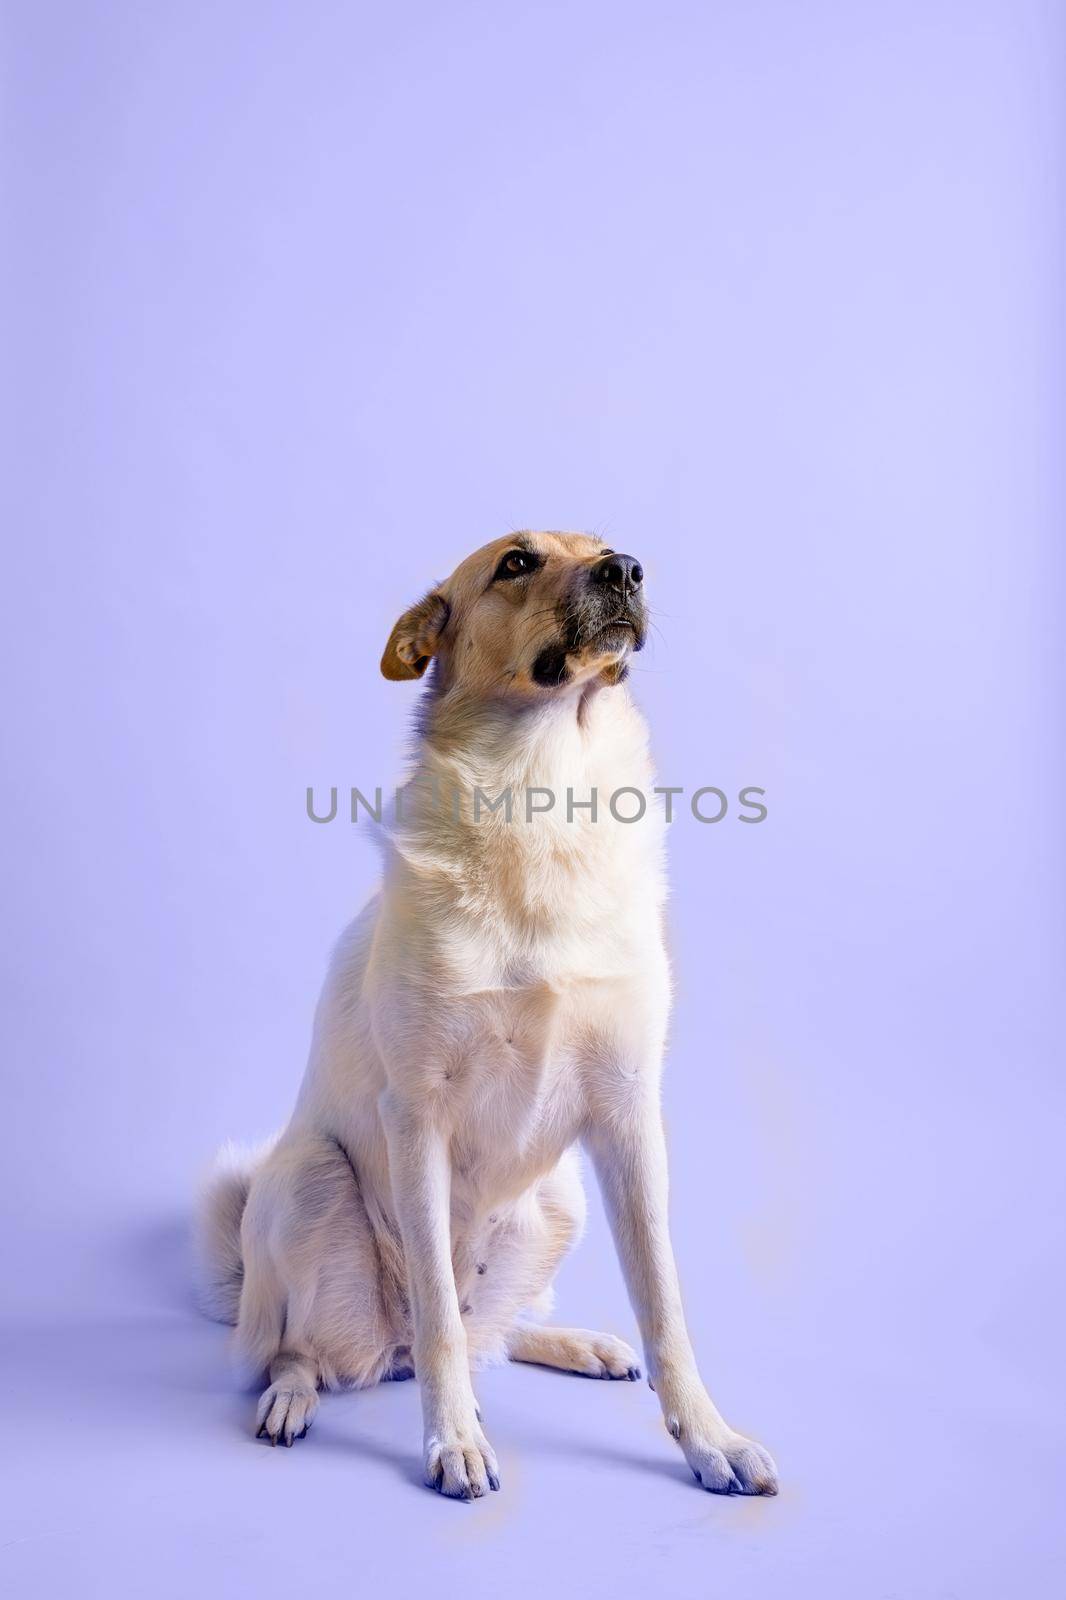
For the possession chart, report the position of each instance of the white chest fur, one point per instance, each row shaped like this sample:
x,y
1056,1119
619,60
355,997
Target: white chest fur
x,y
504,946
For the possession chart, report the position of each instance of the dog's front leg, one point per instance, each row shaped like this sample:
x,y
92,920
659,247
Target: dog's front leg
x,y
629,1152
459,1460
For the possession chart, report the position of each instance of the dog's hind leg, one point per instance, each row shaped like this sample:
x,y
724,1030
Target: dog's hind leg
x,y
593,1355
529,1257
311,1310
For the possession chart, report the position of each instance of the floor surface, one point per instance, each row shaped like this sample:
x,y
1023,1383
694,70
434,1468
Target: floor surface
x,y
130,1467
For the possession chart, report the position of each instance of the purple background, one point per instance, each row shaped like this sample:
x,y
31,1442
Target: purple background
x,y
304,302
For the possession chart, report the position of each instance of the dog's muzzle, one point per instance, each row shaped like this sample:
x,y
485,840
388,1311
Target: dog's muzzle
x,y
612,612
606,613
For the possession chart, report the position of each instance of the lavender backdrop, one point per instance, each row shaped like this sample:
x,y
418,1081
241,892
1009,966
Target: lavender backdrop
x,y
302,302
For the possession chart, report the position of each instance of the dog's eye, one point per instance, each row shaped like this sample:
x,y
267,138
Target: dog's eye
x,y
515,564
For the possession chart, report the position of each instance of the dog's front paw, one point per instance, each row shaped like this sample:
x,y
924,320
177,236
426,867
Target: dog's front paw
x,y
722,1461
461,1463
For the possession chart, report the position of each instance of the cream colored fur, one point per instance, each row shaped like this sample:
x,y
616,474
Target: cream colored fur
x,y
503,999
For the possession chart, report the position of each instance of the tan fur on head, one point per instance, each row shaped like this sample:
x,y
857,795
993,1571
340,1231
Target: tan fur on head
x,y
498,633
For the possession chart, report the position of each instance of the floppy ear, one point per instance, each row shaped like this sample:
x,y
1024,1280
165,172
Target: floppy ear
x,y
415,638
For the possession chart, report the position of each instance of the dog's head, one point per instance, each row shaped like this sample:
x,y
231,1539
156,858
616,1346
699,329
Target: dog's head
x,y
527,615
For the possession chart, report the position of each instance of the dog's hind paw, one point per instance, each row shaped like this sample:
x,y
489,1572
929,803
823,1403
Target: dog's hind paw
x,y
602,1355
592,1355
285,1412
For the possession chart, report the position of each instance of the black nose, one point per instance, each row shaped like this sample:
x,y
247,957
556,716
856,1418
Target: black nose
x,y
621,573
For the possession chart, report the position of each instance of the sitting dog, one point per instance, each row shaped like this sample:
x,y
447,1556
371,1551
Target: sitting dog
x,y
502,999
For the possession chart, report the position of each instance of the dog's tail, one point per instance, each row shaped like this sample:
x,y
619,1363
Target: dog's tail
x,y
219,1265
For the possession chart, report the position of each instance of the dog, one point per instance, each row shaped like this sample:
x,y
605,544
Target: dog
x,y
501,1001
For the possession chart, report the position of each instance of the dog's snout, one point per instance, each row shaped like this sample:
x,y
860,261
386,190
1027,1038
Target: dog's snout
x,y
623,574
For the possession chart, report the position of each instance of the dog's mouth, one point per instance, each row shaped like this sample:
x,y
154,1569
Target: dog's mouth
x,y
626,630
618,634
586,631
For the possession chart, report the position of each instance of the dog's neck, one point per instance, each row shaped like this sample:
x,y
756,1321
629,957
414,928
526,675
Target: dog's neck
x,y
549,757
542,872
540,875
575,736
